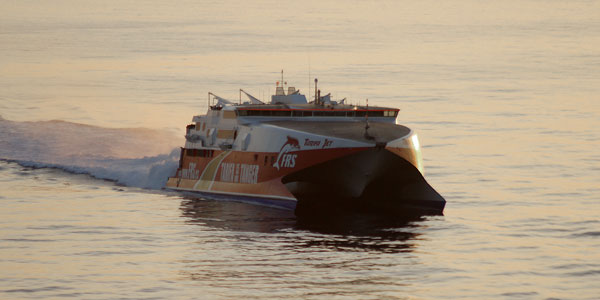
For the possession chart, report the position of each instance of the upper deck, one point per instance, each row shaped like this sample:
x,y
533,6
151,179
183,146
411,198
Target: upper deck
x,y
295,105
229,125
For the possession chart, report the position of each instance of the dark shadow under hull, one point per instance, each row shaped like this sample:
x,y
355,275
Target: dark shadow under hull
x,y
375,180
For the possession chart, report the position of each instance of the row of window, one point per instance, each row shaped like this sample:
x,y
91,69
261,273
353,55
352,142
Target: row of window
x,y
273,158
211,153
200,152
316,113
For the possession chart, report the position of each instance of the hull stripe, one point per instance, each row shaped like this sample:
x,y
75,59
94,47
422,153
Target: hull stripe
x,y
210,172
237,194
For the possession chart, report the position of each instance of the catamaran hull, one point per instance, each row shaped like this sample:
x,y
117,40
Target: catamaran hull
x,y
373,180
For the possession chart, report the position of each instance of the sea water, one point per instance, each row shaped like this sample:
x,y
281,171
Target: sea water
x,y
95,96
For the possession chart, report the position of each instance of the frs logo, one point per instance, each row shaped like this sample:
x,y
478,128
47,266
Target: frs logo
x,y
285,159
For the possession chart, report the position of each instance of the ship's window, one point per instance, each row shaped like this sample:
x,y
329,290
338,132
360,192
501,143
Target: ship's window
x,y
389,113
203,126
350,113
273,160
375,113
267,113
266,158
324,113
281,113
307,113
339,113
297,113
255,157
197,152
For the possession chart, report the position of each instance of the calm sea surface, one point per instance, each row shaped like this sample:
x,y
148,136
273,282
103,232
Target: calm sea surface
x,y
94,97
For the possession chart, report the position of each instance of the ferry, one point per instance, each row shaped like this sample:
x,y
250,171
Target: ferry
x,y
317,156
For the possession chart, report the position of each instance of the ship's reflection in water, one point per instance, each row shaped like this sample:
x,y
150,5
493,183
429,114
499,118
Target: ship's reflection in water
x,y
240,250
342,232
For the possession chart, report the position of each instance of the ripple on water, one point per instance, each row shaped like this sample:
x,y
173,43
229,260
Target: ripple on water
x,y
38,290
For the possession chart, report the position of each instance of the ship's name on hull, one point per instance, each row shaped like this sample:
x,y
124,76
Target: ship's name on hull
x,y
239,173
317,143
190,172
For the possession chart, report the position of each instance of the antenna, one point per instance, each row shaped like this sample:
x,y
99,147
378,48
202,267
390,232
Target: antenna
x,y
367,116
316,91
367,135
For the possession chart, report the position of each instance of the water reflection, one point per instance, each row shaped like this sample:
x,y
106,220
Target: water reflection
x,y
363,232
236,216
341,232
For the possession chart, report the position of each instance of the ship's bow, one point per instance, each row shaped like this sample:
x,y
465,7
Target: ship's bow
x,y
385,178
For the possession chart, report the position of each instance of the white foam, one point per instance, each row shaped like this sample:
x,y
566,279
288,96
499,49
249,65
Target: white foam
x,y
134,157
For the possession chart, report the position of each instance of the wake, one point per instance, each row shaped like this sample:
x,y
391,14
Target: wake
x,y
136,157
